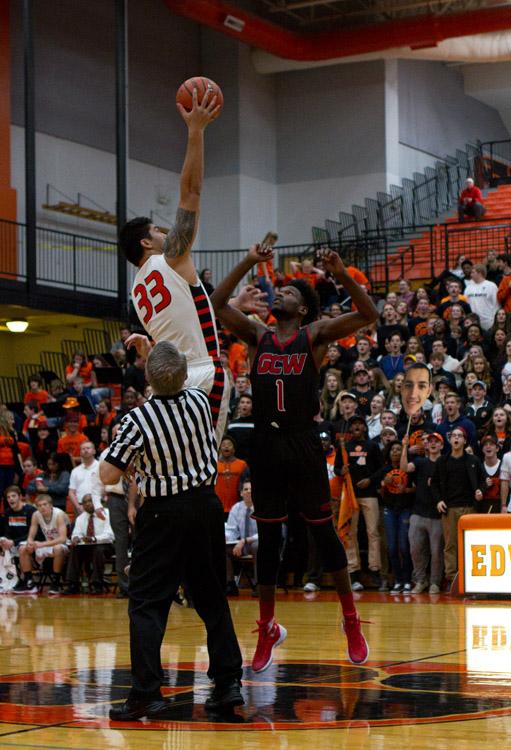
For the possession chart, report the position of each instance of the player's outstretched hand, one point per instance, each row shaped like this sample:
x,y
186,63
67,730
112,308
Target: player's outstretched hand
x,y
331,261
141,344
200,115
260,253
251,300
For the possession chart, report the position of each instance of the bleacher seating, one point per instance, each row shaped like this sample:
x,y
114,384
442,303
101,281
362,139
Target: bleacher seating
x,y
70,346
11,389
473,239
95,341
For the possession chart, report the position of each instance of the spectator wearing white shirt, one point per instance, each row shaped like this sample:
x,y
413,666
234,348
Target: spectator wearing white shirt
x,y
91,539
117,503
240,528
481,295
82,478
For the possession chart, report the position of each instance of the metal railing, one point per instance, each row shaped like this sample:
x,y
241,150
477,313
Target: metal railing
x,y
63,260
84,264
495,162
436,249
405,207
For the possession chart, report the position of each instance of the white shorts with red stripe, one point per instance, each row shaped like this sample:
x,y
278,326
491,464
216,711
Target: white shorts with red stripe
x,y
209,375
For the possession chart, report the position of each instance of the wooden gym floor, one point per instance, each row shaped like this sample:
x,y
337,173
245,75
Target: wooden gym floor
x,y
439,676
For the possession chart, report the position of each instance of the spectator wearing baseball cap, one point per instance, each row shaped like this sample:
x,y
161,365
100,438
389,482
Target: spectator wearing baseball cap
x,y
364,461
344,408
457,484
361,388
479,408
425,534
491,502
388,429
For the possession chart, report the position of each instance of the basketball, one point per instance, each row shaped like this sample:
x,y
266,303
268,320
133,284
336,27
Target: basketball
x,y
398,481
185,91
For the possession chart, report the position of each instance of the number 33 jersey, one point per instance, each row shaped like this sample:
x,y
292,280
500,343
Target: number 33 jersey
x,y
285,382
171,309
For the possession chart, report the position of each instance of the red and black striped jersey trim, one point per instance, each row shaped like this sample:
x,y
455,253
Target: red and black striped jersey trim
x,y
206,321
217,391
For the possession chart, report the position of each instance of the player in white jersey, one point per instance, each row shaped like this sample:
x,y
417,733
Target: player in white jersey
x,y
53,523
167,293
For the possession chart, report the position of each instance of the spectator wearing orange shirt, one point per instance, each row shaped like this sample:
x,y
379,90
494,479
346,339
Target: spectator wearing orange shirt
x,y
359,276
306,270
230,471
33,417
9,458
105,414
72,439
30,472
72,405
504,290
238,358
36,391
79,367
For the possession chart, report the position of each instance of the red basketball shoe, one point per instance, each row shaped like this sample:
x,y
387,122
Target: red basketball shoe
x,y
270,636
358,650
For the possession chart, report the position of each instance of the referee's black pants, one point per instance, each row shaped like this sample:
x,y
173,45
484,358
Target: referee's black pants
x,y
179,538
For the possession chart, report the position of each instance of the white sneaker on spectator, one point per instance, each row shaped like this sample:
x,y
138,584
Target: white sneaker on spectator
x,y
311,586
396,588
407,588
357,586
419,587
434,589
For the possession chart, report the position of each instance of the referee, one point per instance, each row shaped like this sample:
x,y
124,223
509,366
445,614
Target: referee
x,y
180,534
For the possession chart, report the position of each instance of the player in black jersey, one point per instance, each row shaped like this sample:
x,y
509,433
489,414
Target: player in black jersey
x,y
288,469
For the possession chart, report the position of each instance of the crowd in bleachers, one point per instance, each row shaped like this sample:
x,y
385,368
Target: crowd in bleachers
x,y
459,325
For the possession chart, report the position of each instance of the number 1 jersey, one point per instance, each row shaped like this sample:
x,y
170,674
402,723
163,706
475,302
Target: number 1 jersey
x,y
285,382
171,309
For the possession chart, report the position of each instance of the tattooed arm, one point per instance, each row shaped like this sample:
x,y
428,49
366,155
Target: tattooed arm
x,y
179,240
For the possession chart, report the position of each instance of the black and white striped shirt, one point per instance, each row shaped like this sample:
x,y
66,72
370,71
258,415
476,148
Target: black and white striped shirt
x,y
172,442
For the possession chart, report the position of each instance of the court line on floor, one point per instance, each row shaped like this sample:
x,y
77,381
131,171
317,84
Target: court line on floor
x,y
423,658
37,728
47,747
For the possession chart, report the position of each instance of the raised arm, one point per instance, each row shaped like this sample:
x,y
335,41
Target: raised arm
x,y
246,329
179,240
325,331
404,464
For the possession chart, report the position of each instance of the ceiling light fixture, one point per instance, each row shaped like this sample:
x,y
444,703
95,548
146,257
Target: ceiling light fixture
x,y
19,325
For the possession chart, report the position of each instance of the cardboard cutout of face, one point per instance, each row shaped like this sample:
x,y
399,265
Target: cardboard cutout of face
x,y
416,389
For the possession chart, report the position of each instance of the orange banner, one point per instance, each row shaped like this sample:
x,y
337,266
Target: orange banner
x,y
348,504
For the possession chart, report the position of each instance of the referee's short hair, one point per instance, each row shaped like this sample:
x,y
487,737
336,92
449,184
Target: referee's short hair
x,y
166,369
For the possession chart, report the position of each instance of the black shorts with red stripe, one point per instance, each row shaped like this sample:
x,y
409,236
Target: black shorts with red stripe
x,y
288,473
